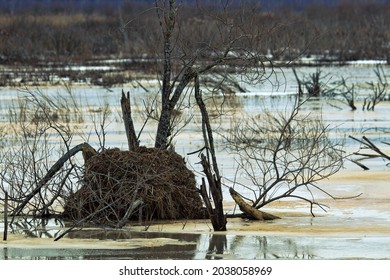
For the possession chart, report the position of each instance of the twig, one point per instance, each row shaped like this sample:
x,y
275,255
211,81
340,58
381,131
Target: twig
x,y
129,211
371,146
81,221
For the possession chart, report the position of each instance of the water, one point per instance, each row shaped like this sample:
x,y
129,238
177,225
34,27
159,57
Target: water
x,y
188,246
351,229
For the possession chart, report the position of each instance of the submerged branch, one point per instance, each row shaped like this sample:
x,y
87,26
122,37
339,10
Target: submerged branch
x,y
368,144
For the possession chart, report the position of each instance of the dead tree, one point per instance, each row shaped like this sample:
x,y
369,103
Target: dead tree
x,y
249,210
314,85
283,154
379,90
210,168
187,54
347,92
132,139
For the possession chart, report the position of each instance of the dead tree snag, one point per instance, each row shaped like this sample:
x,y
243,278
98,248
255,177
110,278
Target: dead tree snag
x,y
210,169
132,139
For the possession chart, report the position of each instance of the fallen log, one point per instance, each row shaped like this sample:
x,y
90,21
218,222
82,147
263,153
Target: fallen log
x,y
250,211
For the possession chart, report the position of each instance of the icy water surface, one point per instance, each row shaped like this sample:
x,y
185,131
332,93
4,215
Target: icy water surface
x,y
350,229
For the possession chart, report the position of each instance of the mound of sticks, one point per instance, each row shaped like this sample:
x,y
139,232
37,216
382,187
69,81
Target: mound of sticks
x,y
143,184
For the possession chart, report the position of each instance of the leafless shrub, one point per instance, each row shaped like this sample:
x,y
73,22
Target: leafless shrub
x,y
379,90
346,91
31,155
41,131
349,93
285,155
315,84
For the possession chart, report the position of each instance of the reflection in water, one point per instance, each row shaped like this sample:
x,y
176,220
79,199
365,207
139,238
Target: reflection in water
x,y
217,246
187,246
5,254
256,247
36,227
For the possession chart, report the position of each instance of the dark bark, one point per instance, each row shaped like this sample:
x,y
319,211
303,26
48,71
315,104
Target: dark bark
x,y
164,128
128,122
217,215
300,91
369,145
211,170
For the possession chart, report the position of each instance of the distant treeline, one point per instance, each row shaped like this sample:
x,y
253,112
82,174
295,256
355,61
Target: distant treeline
x,y
68,31
22,6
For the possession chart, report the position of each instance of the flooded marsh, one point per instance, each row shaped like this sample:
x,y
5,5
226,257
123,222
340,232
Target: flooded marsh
x,y
357,228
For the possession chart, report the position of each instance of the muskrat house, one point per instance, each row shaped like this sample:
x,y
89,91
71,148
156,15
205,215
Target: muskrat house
x,y
155,180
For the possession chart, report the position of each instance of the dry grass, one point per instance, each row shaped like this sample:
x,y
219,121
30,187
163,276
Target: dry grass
x,y
58,20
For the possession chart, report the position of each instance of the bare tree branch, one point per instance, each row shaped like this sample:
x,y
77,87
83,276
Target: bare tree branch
x,y
283,153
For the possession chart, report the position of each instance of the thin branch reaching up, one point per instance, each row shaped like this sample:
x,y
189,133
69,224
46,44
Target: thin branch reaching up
x,y
52,171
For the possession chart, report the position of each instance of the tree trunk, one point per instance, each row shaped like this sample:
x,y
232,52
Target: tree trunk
x,y
300,91
128,121
217,215
164,128
249,210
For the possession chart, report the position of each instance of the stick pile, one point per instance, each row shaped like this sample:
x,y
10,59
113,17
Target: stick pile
x,y
156,181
